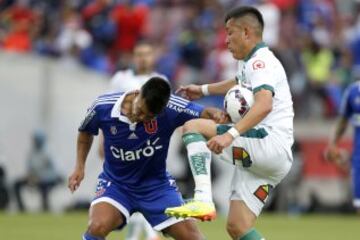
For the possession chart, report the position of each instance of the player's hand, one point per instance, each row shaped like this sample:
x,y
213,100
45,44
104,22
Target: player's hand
x,y
190,92
221,117
218,143
75,179
332,153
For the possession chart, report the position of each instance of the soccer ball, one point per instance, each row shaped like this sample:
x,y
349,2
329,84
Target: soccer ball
x,y
237,102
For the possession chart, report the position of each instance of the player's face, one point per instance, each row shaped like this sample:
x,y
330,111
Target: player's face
x,y
140,112
236,39
144,58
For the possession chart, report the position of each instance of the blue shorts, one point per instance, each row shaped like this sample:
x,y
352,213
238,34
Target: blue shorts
x,y
151,204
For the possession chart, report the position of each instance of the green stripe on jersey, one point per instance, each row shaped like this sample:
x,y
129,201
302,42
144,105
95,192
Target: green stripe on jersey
x,y
251,133
266,87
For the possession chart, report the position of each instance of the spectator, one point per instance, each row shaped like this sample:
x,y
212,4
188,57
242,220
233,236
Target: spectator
x,y
4,192
41,174
318,63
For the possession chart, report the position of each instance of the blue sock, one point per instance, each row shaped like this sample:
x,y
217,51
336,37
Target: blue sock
x,y
87,236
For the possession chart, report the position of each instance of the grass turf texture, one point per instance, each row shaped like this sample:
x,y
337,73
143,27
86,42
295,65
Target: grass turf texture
x,y
277,227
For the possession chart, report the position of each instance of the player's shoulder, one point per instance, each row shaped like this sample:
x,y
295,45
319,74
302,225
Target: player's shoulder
x,y
177,101
261,59
106,100
109,96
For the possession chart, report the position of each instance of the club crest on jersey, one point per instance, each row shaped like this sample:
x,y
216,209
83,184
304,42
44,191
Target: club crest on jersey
x,y
258,64
262,192
151,126
113,130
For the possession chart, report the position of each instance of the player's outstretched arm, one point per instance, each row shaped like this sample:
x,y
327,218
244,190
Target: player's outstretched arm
x,y
84,142
193,91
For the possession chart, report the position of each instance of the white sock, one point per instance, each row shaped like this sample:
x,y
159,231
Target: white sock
x,y
150,233
199,157
135,227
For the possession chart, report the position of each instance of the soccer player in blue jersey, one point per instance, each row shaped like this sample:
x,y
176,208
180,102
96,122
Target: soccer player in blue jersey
x,y
350,111
143,68
137,127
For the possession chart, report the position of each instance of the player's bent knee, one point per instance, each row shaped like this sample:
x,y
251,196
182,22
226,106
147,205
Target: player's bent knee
x,y
192,126
236,229
98,228
199,125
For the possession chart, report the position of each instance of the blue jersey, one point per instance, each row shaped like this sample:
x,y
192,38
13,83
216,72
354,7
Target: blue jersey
x,y
135,153
350,109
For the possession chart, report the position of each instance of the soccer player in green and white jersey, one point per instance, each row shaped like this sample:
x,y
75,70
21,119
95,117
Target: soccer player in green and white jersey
x,y
259,145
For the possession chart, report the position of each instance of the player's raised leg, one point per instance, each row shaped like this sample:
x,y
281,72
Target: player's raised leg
x,y
103,218
135,227
199,156
137,224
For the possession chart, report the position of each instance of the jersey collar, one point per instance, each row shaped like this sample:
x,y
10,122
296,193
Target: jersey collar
x,y
258,46
115,111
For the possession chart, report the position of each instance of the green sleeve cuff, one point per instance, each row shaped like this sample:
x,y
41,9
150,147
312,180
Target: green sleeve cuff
x,y
266,87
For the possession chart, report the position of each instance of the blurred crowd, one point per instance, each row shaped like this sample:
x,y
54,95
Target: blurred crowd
x,y
318,41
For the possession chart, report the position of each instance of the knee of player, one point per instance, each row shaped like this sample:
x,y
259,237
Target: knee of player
x,y
192,126
98,228
238,228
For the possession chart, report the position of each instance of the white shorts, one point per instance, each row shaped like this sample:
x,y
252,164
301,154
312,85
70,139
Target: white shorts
x,y
262,162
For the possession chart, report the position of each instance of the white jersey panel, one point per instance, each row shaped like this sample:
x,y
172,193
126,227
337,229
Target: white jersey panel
x,y
264,70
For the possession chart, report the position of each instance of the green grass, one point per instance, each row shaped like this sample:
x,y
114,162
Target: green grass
x,y
273,227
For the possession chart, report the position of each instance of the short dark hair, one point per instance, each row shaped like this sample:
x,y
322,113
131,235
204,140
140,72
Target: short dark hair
x,y
243,11
156,93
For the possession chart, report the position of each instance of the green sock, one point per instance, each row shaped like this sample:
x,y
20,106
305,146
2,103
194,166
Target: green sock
x,y
251,235
199,157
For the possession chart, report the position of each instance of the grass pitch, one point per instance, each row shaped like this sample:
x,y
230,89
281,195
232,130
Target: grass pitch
x,y
272,226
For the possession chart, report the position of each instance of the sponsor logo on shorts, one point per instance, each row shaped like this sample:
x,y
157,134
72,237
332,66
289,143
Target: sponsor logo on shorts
x,y
263,192
240,154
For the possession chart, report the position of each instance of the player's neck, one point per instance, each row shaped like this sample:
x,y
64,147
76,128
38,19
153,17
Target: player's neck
x,y
127,104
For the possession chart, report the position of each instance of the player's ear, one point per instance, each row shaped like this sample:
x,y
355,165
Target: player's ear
x,y
136,92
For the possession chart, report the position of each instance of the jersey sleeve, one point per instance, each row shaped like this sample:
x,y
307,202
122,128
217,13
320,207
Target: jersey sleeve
x,y
182,110
261,75
345,107
90,123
